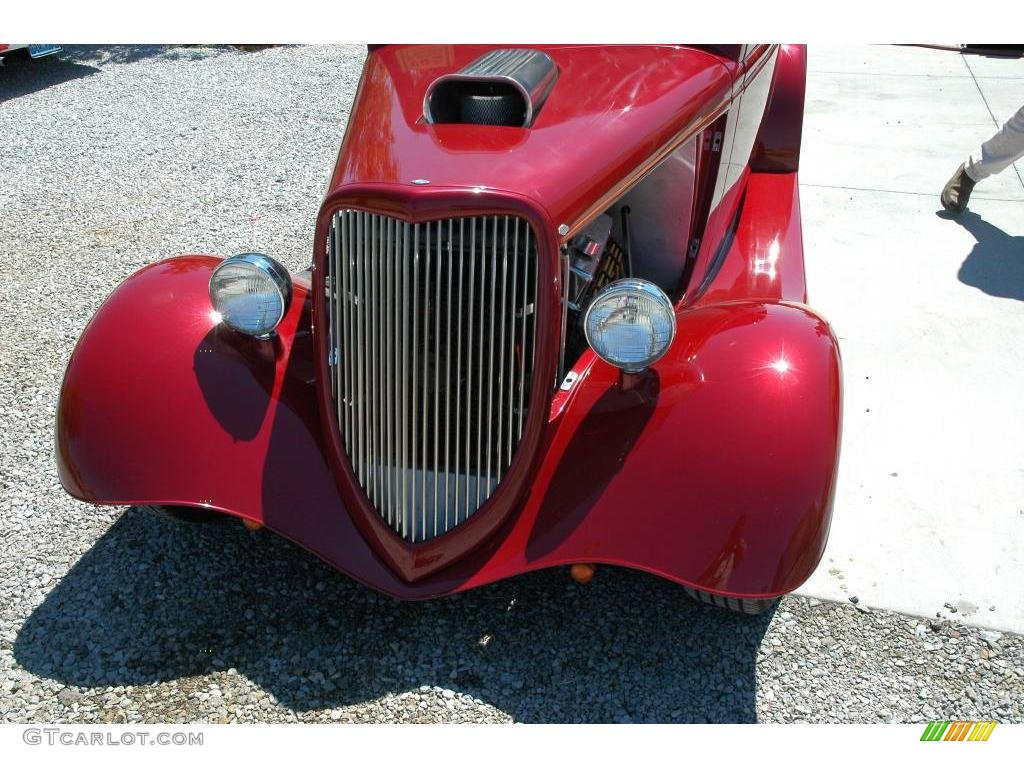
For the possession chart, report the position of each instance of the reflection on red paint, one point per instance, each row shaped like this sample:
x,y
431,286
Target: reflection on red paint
x,y
715,469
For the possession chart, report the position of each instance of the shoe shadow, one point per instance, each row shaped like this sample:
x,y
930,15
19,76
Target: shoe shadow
x,y
995,264
156,600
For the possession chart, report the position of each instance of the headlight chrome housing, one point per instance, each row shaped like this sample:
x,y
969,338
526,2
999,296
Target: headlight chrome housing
x,y
251,291
630,324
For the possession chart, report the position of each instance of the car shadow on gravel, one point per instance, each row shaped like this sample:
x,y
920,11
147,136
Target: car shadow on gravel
x,y
21,75
156,600
131,54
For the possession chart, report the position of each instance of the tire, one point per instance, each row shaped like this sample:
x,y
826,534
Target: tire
x,y
186,514
735,604
17,54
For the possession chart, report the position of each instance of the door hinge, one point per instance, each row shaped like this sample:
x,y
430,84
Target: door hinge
x,y
716,141
694,245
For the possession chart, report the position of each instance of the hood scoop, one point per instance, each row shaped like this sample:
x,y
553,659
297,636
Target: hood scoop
x,y
506,86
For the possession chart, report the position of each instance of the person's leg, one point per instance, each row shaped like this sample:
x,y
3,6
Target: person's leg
x,y
992,157
998,152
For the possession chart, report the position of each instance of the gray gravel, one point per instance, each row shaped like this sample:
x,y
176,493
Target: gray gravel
x,y
117,156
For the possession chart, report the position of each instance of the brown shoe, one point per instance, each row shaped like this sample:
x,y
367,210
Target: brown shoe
x,y
957,191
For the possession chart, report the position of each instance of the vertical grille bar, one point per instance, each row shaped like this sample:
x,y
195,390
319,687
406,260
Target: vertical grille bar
x,y
458,375
344,310
412,415
511,354
522,337
359,306
469,354
431,334
500,386
437,376
406,458
332,305
387,387
333,317
392,378
480,363
350,347
424,427
373,390
448,383
490,346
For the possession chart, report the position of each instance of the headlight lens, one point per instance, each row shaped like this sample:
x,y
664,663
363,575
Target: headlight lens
x,y
251,292
630,324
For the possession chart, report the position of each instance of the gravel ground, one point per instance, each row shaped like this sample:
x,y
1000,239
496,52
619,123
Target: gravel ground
x,y
117,156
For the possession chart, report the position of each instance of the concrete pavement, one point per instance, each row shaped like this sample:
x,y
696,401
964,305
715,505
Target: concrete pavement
x,y
930,315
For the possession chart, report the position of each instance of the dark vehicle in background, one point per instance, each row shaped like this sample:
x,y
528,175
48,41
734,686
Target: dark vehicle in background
x,y
35,51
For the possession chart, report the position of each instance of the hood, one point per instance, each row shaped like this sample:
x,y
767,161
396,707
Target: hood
x,y
612,112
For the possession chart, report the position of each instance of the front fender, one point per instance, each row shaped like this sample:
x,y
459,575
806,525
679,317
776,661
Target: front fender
x,y
716,469
143,399
162,404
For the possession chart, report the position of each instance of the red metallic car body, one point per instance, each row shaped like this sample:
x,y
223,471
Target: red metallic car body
x,y
715,468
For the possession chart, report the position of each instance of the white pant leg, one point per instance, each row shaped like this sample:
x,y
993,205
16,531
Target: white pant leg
x,y
999,151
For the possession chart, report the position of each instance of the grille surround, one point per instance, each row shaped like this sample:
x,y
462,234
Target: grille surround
x,y
407,550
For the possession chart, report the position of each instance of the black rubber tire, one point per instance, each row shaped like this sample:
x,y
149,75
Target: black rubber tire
x,y
18,54
737,605
187,514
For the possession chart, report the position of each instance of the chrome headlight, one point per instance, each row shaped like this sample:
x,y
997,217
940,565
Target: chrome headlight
x,y
251,292
630,324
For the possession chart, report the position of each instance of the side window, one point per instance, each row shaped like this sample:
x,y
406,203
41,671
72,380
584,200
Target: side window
x,y
728,139
751,96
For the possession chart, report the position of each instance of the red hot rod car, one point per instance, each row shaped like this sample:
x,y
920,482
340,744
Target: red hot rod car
x,y
556,315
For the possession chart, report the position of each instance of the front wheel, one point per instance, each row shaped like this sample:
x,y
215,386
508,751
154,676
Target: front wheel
x,y
736,604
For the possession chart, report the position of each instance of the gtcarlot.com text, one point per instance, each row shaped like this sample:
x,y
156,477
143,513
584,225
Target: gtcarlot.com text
x,y
102,738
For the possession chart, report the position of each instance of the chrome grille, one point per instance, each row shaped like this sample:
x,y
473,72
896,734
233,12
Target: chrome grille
x,y
431,330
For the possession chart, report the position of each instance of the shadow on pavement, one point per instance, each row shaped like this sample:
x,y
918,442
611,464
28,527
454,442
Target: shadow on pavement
x,y
995,264
151,594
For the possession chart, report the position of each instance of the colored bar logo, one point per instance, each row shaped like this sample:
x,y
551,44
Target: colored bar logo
x,y
958,730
